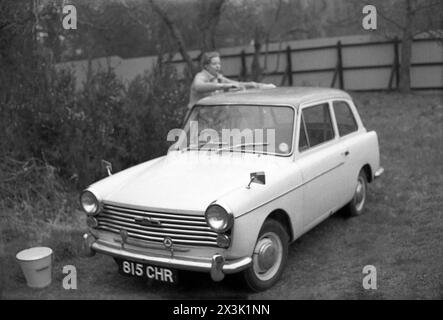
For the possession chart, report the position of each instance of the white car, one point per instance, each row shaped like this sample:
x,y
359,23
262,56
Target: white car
x,y
223,207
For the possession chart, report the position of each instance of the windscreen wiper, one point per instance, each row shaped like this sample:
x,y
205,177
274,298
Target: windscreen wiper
x,y
203,144
243,145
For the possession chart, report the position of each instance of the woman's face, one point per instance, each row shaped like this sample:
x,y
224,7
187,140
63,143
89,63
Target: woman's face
x,y
214,66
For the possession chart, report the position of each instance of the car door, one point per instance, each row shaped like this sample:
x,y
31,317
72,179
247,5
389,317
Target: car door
x,y
347,128
320,162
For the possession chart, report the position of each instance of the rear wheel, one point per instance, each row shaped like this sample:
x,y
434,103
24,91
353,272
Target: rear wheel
x,y
269,257
356,206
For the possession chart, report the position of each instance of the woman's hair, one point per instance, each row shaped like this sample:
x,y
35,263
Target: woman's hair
x,y
207,56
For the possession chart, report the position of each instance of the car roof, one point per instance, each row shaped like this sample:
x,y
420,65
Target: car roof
x,y
282,95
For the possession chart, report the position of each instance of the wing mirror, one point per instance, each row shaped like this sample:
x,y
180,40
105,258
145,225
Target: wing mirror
x,y
107,166
257,177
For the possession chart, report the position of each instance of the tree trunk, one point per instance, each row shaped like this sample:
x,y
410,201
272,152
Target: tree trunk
x,y
405,66
209,18
406,50
177,37
256,70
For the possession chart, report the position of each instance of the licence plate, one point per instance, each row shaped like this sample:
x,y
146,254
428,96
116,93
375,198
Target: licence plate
x,y
142,270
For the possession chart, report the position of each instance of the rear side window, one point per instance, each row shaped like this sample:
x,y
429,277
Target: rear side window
x,y
303,143
316,126
345,119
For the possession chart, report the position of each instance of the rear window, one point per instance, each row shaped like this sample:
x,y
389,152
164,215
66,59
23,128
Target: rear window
x,y
345,119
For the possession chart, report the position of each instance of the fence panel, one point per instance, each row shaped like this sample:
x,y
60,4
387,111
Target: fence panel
x,y
364,65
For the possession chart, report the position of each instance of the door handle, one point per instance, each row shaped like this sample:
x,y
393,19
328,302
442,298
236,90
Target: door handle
x,y
346,153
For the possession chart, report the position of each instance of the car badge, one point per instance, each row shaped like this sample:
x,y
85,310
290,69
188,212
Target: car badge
x,y
147,221
167,242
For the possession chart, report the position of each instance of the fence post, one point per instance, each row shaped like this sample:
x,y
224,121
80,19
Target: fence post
x,y
340,65
244,69
397,61
395,66
289,65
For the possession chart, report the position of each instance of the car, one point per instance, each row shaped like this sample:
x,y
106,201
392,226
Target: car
x,y
249,173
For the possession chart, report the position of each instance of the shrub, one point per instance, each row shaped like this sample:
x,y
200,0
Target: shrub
x,y
55,136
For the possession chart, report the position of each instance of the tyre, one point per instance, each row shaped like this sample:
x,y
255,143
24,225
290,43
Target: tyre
x,y
269,257
356,206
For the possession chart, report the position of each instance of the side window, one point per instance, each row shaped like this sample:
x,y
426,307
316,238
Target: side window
x,y
345,119
318,124
303,143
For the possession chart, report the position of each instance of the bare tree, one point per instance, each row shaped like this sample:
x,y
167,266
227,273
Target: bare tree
x,y
274,21
208,19
256,20
176,35
399,18
409,17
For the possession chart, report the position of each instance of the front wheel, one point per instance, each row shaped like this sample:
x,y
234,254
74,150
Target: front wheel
x,y
269,257
356,206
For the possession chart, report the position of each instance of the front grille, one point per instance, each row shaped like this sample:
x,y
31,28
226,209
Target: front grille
x,y
182,229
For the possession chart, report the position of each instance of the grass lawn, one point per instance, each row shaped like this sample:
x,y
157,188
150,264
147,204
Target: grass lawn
x,y
405,216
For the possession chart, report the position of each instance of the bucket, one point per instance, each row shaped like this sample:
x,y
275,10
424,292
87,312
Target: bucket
x,y
36,264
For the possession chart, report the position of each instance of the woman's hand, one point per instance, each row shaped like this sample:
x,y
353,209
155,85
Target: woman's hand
x,y
227,86
257,85
267,86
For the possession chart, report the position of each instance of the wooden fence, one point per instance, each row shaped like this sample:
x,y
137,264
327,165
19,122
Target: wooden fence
x,y
338,72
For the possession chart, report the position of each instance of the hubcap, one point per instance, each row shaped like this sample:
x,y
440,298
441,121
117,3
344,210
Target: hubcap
x,y
360,194
267,256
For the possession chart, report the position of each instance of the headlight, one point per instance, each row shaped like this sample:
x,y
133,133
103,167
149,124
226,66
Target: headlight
x,y
89,203
218,218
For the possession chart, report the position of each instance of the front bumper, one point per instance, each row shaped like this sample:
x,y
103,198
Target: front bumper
x,y
379,172
217,266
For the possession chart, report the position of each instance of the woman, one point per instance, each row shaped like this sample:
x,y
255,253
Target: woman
x,y
210,80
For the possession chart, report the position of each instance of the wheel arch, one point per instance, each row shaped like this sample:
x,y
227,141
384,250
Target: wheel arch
x,y
368,172
282,217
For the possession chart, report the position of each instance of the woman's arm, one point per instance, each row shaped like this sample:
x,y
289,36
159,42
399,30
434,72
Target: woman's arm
x,y
249,84
201,85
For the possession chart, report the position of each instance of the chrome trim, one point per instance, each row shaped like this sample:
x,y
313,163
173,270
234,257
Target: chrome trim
x,y
118,221
217,266
88,241
150,212
160,239
183,229
142,231
130,219
108,212
156,246
221,204
292,189
108,166
235,266
147,222
379,172
171,210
